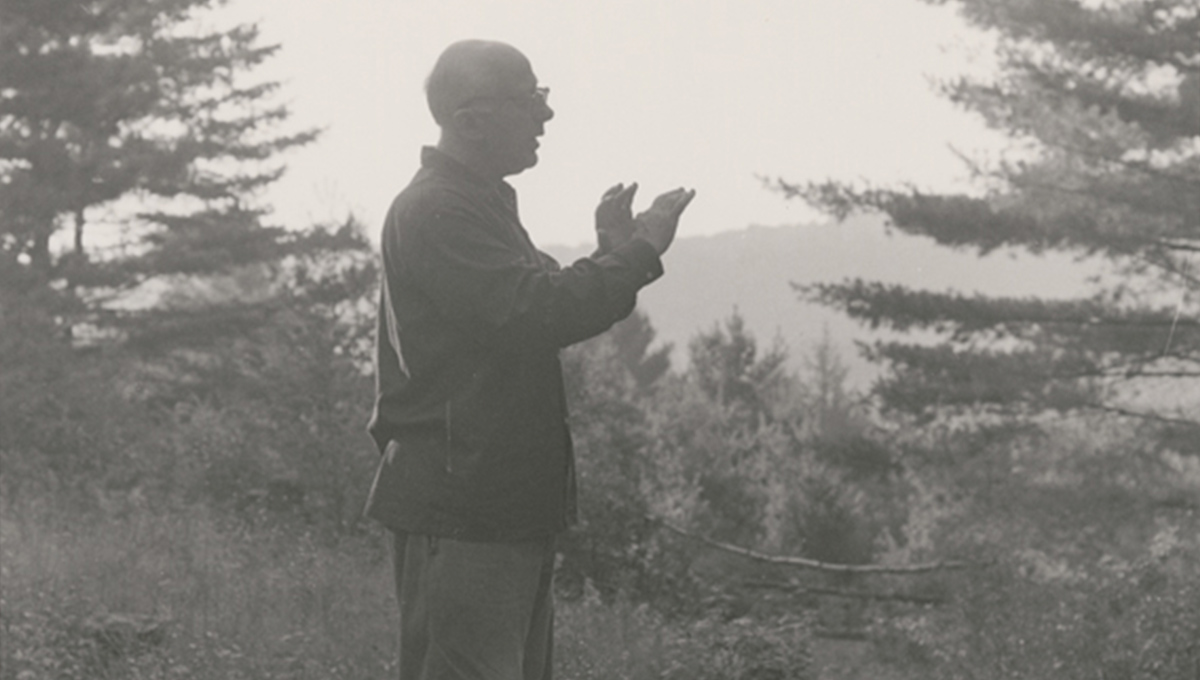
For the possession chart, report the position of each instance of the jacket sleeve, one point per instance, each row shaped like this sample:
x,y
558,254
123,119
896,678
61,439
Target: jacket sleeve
x,y
496,294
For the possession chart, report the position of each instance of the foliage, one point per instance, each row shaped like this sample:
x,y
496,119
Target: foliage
x,y
140,118
1102,104
184,390
247,473
274,425
1037,617
224,602
723,450
1052,439
620,640
196,461
744,649
107,99
612,383
745,452
269,602
267,423
1088,537
138,127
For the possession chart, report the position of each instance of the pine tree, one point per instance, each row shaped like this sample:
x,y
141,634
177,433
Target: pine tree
x,y
632,338
140,123
136,130
727,367
1102,104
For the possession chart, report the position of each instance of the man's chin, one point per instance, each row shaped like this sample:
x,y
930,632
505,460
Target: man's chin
x,y
526,163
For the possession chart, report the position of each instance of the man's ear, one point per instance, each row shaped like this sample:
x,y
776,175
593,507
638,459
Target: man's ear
x,y
467,124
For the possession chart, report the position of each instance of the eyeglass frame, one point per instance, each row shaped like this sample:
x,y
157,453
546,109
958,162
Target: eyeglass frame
x,y
539,97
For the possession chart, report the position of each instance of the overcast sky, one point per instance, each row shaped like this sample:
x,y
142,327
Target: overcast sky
x,y
702,94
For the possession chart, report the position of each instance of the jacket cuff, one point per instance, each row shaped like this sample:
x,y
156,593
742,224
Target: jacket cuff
x,y
640,256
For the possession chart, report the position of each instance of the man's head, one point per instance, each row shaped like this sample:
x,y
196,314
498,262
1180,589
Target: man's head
x,y
486,99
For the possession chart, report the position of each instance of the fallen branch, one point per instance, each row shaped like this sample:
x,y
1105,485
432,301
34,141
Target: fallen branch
x,y
850,594
817,565
1143,415
855,634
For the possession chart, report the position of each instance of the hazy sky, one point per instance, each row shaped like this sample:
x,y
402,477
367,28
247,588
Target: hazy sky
x,y
703,94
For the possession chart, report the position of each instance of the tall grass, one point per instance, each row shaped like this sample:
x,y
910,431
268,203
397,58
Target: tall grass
x,y
219,599
598,641
189,593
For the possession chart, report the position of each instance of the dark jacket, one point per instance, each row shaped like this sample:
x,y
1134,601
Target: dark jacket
x,y
470,412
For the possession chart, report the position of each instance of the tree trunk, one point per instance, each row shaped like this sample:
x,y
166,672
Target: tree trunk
x,y
39,253
79,222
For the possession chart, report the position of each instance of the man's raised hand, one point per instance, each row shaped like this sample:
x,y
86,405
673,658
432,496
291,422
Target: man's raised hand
x,y
614,216
657,224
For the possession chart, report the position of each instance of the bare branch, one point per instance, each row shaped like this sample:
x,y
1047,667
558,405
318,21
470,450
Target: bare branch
x,y
1156,374
1167,244
804,563
841,633
1143,415
851,594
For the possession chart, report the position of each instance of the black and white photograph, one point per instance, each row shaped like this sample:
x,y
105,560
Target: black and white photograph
x,y
609,340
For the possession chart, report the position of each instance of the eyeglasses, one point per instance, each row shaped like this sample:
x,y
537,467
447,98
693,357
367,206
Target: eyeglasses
x,y
539,97
529,101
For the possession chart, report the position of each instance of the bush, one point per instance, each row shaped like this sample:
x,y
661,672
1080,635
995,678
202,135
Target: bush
x,y
1093,555
1141,624
621,640
185,594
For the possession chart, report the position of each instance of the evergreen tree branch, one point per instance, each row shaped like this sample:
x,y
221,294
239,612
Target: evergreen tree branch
x,y
1143,202
1090,35
1183,181
1170,264
902,308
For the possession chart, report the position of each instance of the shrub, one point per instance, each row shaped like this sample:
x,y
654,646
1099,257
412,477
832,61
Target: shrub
x,y
186,594
621,640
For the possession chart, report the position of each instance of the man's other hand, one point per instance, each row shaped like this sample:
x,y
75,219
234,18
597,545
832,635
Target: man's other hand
x,y
658,223
614,217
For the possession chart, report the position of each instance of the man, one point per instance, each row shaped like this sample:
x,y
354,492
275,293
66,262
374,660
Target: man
x,y
477,475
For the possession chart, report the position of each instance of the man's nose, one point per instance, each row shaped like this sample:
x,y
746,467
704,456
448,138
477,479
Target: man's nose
x,y
546,113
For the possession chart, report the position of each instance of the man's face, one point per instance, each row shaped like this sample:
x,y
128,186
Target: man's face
x,y
512,119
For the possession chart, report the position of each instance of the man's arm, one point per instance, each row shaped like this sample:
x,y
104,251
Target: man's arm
x,y
492,292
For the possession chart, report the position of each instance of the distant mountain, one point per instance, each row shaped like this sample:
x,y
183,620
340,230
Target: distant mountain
x,y
751,270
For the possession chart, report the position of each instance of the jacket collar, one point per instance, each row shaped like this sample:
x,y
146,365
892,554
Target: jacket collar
x,y
439,162
442,163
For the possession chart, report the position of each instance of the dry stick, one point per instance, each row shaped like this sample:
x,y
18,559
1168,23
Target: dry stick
x,y
1178,310
1154,417
850,594
815,564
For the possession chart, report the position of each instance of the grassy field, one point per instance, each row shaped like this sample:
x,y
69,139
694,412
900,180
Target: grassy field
x,y
184,595
190,594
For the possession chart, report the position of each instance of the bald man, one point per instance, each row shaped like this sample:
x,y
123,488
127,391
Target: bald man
x,y
477,475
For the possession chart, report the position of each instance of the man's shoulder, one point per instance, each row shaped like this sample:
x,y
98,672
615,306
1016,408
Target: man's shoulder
x,y
428,188
426,195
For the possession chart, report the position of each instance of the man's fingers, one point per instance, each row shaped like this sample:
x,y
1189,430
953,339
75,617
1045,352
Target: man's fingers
x,y
683,201
625,197
674,201
612,191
